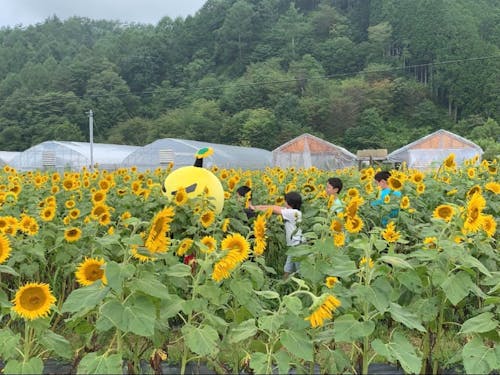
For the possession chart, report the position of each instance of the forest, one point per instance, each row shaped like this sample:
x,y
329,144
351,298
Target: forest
x,y
357,73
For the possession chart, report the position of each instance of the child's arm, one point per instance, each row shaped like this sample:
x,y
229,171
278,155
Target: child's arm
x,y
265,207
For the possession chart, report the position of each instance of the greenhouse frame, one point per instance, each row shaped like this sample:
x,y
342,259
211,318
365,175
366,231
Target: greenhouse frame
x,y
430,151
63,155
307,151
181,153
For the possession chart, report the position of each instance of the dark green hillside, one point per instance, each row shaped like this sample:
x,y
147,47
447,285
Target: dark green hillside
x,y
362,74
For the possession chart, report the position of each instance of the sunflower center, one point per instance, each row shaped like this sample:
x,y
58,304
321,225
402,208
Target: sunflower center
x,y
94,272
32,299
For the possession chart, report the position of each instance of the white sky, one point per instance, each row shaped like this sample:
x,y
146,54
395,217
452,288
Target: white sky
x,y
30,12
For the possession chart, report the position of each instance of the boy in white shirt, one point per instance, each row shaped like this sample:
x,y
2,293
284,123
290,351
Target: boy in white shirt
x,y
291,216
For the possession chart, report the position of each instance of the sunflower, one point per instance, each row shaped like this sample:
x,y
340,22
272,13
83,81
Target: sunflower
x,y
70,203
225,225
327,305
28,225
279,201
353,224
5,248
33,301
98,210
104,185
405,202
365,261
157,240
390,234
184,246
444,212
339,239
98,197
417,177
473,190
259,229
90,270
494,187
420,188
238,248
105,219
308,188
74,213
489,225
369,188
449,163
452,192
69,184
48,213
210,243
139,256
387,199
353,205
222,269
395,183
430,242
207,218
474,218
471,172
331,281
238,244
336,226
72,234
181,196
353,193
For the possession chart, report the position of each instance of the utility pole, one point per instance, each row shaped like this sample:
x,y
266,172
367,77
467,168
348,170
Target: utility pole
x,y
91,136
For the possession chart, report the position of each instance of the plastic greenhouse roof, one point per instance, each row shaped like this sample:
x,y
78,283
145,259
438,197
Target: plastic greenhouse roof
x,y
7,156
72,155
422,157
181,152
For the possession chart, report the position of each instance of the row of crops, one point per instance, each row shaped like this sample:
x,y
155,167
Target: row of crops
x,y
99,270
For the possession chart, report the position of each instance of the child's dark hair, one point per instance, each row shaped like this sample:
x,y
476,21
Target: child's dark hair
x,y
336,182
382,175
293,199
243,190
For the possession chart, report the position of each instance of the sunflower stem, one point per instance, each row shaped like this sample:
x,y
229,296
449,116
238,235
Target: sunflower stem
x,y
28,341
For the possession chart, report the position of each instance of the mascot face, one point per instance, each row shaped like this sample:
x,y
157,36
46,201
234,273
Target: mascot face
x,y
195,180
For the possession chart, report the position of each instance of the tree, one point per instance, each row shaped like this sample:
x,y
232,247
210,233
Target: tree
x,y
111,100
135,131
259,129
366,134
202,120
236,35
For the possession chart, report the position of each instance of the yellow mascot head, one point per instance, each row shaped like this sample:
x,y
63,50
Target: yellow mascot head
x,y
196,181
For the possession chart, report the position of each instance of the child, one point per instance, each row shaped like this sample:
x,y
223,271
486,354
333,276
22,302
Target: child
x,y
291,216
333,188
381,179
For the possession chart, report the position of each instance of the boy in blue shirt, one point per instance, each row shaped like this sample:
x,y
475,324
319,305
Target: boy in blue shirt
x,y
381,179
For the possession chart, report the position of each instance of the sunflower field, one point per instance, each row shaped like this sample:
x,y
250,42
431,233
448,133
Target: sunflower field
x,y
99,270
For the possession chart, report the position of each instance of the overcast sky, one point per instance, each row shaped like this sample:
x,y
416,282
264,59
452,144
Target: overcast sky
x,y
30,12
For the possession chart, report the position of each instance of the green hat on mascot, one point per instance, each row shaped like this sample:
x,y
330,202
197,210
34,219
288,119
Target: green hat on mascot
x,y
196,181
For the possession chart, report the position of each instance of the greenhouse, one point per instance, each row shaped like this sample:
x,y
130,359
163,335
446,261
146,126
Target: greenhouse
x,y
181,153
59,155
308,151
7,156
430,151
